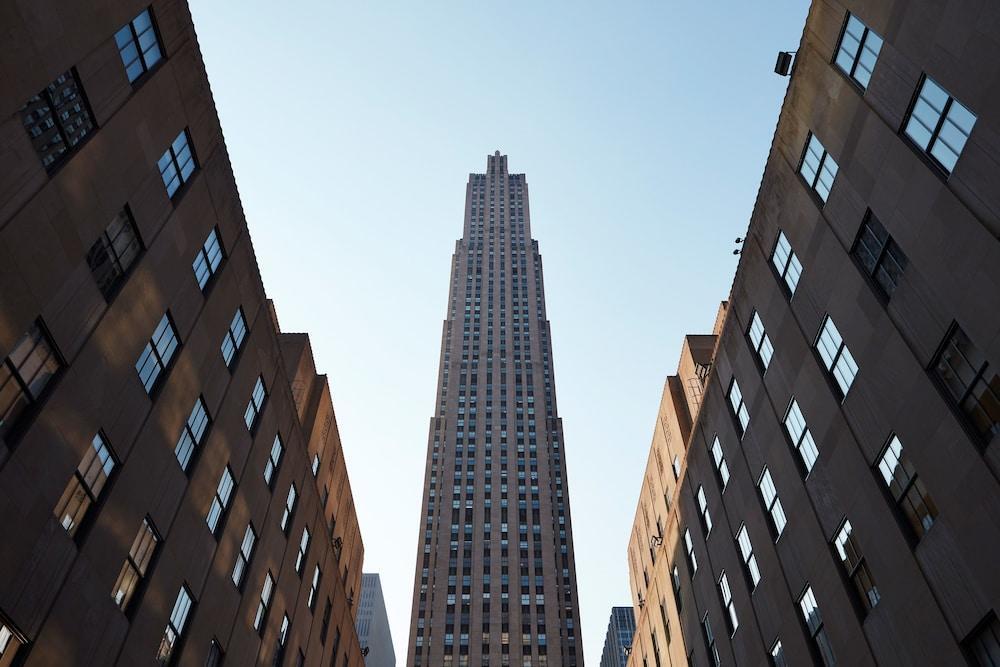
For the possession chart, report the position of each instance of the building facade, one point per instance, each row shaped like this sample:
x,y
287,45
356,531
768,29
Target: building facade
x,y
618,641
373,624
832,500
495,582
172,484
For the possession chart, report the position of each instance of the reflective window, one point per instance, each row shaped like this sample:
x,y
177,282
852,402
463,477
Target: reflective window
x,y
136,564
314,588
721,467
220,502
266,592
157,354
855,566
778,655
689,548
234,337
273,461
175,626
984,642
814,623
769,494
939,124
749,559
965,374
706,517
244,556
759,341
818,168
209,257
802,440
786,262
739,407
177,164
878,254
192,433
57,119
256,404
114,253
906,488
25,375
713,650
289,512
836,357
85,487
732,622
858,51
138,45
300,558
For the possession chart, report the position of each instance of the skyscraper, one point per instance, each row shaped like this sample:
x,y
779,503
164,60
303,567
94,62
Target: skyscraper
x,y
495,582
373,624
618,641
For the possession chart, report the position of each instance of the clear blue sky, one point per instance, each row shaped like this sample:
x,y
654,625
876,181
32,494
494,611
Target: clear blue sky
x,y
643,129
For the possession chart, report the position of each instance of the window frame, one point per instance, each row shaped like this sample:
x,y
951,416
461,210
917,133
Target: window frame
x,y
82,520
288,514
821,164
747,556
856,59
33,401
845,549
218,516
45,95
171,649
140,57
734,410
924,153
815,630
888,249
128,604
827,329
244,557
784,272
174,163
800,441
728,605
187,440
770,505
254,406
981,439
272,466
764,342
235,346
203,258
164,368
264,603
912,484
106,244
718,455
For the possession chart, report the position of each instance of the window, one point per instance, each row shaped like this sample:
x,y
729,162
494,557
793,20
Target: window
x,y
983,644
786,262
677,467
814,624
192,434
879,256
58,119
136,565
706,518
759,341
314,588
177,164
138,45
749,559
713,650
939,124
220,503
25,375
209,257
289,513
721,467
315,465
802,440
215,654
675,576
279,653
300,559
818,168
266,592
858,51
244,556
778,654
175,626
907,490
965,374
739,407
691,558
727,603
256,404
11,640
114,253
855,566
836,357
85,487
273,461
233,339
158,353
769,494
324,627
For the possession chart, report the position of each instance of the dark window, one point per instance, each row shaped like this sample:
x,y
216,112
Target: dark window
x,y
325,626
11,641
273,461
966,376
138,45
25,375
814,624
158,352
175,626
192,433
177,164
215,654
86,485
209,257
220,502
114,253
818,168
906,488
855,566
939,124
234,337
984,643
713,650
778,655
878,254
136,565
858,50
255,405
57,119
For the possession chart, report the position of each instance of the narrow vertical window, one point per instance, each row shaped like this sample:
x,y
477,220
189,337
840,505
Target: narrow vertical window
x,y
964,373
713,650
706,517
939,124
983,644
11,641
158,353
906,488
273,461
692,559
759,341
879,256
215,654
58,119
778,654
192,434
324,627
209,257
220,502
136,565
740,411
314,588
836,356
256,404
114,253
300,558
818,168
177,164
266,592
25,375
858,51
138,45
749,559
769,494
315,465
802,440
732,622
675,578
721,467
814,624
279,654
233,340
244,556
855,566
289,512
85,487
786,263
175,626
676,465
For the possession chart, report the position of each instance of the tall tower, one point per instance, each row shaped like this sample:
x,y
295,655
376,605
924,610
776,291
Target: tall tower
x,y
495,581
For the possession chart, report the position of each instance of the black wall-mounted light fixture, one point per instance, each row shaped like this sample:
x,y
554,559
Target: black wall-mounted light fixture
x,y
784,64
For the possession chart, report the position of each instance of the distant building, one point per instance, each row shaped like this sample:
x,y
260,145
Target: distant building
x,y
373,624
618,642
